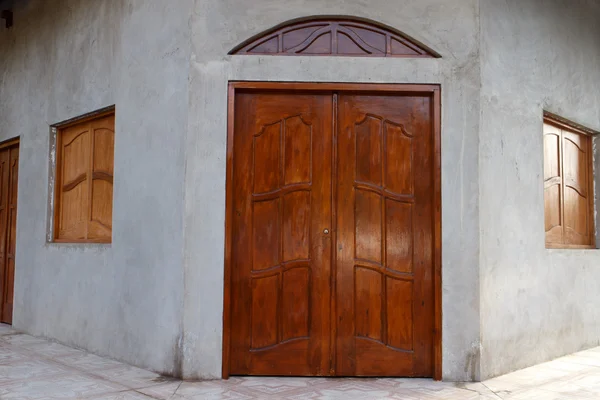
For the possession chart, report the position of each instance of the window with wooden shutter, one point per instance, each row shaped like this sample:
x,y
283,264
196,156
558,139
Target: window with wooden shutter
x,y
84,180
568,187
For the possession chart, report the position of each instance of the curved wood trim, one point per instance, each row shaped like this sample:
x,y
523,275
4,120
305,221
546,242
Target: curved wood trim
x,y
73,184
335,24
370,187
101,223
283,267
67,144
379,342
285,190
307,42
388,272
102,175
283,342
364,46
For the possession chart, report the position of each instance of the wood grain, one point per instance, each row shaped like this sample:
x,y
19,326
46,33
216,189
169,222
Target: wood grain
x,y
568,186
9,179
396,303
84,180
334,36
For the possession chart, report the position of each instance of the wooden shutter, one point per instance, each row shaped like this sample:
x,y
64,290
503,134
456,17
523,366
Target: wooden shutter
x,y
103,149
577,185
553,185
568,188
74,184
85,181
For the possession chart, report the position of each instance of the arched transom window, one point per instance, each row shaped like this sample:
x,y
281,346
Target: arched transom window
x,y
334,36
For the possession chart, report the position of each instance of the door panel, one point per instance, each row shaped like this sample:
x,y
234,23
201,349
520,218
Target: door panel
x,y
384,246
280,291
576,181
286,319
553,185
9,165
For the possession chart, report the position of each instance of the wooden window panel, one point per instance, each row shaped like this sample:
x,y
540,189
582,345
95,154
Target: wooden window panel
x,y
568,187
84,180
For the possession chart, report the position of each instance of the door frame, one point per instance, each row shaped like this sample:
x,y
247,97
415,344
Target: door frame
x,y
376,88
12,142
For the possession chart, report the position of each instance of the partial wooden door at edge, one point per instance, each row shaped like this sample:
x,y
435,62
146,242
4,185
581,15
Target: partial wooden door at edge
x,y
332,261
9,176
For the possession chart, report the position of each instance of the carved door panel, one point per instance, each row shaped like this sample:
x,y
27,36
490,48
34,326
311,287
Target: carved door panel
x,y
288,187
384,250
9,165
577,205
281,249
553,184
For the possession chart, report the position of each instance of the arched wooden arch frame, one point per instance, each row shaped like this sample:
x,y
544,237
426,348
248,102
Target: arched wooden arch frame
x,y
334,36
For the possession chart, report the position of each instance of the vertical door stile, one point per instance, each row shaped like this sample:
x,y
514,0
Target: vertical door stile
x,y
4,210
334,236
9,163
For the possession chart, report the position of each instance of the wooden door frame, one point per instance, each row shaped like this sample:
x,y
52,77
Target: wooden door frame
x,y
373,88
6,144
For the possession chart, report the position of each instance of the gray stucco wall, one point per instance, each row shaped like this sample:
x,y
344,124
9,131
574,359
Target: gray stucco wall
x,y
536,304
65,58
449,27
153,297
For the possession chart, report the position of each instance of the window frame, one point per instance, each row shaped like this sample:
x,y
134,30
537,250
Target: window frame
x,y
57,131
571,127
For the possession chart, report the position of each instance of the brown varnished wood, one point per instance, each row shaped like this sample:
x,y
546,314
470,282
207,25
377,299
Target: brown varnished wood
x,y
437,233
334,218
280,255
568,186
227,323
9,167
340,87
84,180
553,187
569,125
334,36
385,236
404,341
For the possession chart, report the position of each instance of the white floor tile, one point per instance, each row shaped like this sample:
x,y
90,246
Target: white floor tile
x,y
35,369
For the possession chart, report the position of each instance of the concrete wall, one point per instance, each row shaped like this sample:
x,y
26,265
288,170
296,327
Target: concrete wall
x,y
65,58
536,304
449,27
154,296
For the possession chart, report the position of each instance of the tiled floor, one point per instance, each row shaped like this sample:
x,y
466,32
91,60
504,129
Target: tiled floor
x,y
32,368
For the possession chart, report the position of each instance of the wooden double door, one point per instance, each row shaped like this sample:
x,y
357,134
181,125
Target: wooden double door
x,y
9,178
332,225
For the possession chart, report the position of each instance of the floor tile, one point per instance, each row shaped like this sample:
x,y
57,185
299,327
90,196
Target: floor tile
x,y
7,330
29,369
53,350
72,386
126,395
582,360
88,362
162,391
568,388
10,355
129,376
21,339
538,394
36,369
